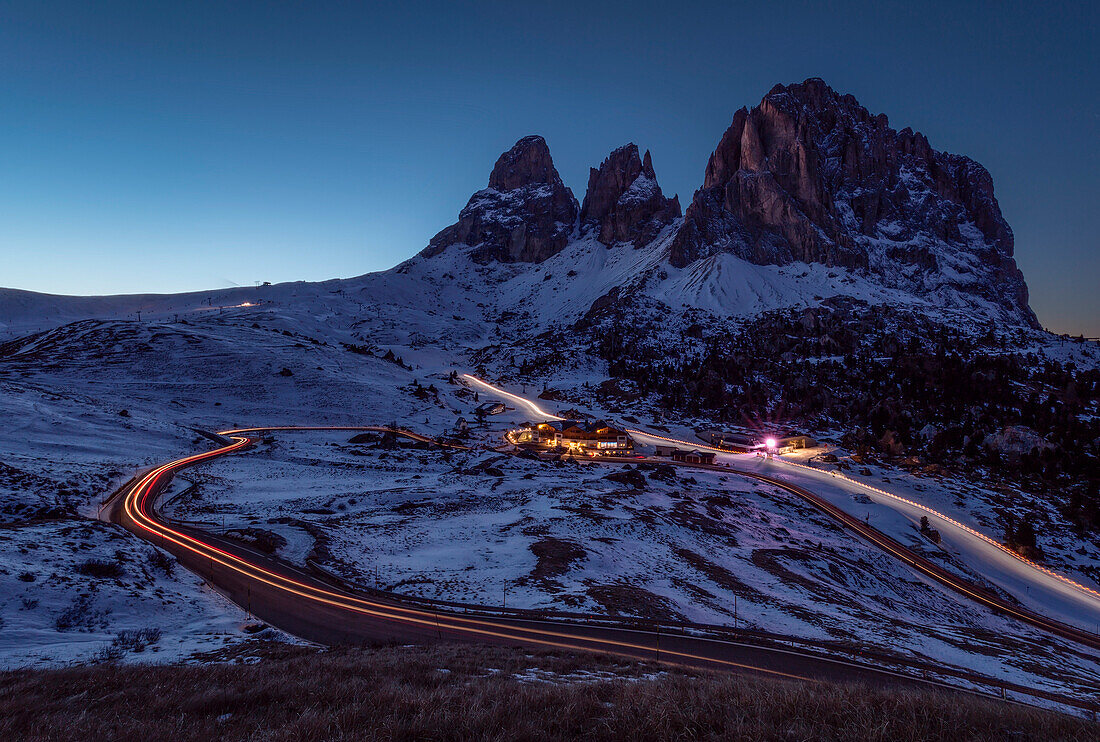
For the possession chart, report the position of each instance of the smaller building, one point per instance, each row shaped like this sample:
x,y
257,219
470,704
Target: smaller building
x,y
688,457
491,408
794,443
728,440
694,457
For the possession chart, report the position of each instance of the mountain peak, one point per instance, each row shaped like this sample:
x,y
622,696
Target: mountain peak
x,y
624,203
814,99
810,175
525,215
812,91
528,162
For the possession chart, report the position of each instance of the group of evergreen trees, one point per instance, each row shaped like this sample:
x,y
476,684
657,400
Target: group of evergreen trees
x,y
896,382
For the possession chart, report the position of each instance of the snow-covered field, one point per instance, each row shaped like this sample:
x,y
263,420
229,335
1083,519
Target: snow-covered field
x,y
79,591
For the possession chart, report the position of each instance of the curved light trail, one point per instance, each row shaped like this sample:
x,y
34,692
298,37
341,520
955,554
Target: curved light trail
x,y
913,503
996,544
137,513
514,397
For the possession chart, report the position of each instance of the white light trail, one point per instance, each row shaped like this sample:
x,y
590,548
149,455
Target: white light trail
x,y
514,397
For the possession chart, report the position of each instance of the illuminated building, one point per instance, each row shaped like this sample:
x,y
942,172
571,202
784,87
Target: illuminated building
x,y
579,436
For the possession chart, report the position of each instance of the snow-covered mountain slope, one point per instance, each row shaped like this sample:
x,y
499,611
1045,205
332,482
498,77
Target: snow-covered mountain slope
x,y
453,298
363,350
810,175
86,404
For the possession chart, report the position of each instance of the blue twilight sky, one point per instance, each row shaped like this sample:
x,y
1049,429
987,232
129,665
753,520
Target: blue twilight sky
x,y
170,146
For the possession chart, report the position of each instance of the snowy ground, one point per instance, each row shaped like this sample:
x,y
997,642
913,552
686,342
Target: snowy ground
x,y
86,405
79,591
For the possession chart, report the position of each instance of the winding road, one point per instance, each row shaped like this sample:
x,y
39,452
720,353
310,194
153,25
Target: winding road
x,y
315,609
322,609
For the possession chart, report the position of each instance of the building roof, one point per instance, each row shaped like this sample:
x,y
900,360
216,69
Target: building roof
x,y
728,434
586,426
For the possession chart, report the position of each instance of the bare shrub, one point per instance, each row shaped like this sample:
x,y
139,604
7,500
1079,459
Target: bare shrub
x,y
80,616
100,568
107,655
136,640
161,562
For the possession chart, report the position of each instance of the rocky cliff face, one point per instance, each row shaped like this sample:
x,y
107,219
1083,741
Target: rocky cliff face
x,y
810,175
525,215
624,203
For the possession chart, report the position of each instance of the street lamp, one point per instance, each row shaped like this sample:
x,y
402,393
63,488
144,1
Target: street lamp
x,y
770,443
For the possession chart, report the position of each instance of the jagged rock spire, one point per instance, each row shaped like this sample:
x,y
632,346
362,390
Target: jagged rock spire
x,y
624,203
525,215
528,162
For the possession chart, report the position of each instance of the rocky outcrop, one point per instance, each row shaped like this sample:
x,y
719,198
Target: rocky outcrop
x,y
624,203
810,175
525,215
1017,440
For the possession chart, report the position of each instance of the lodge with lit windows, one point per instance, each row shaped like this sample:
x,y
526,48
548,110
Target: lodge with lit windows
x,y
575,436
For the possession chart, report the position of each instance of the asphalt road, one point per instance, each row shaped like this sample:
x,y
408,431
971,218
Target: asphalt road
x,y
318,610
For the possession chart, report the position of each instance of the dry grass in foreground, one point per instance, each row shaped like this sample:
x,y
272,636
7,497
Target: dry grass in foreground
x,y
482,693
